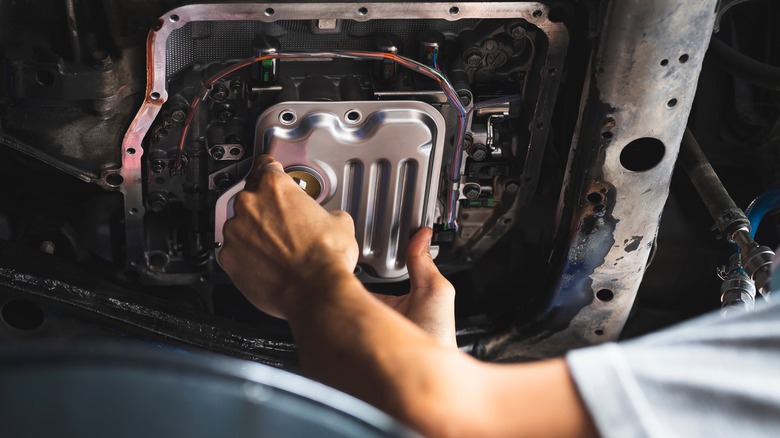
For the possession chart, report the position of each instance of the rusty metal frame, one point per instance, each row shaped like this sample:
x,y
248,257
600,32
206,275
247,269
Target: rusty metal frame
x,y
642,79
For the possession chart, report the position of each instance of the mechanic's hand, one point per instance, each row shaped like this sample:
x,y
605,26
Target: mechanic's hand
x,y
431,301
281,244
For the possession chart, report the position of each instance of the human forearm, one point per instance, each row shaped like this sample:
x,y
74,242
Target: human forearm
x,y
349,340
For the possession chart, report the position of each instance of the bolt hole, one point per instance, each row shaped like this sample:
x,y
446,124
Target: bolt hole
x,y
603,190
130,151
683,58
672,103
664,62
22,314
642,154
235,152
174,18
133,210
539,125
45,77
599,332
269,12
606,135
537,13
287,117
353,116
605,295
363,10
594,197
507,220
114,179
454,10
154,95
553,71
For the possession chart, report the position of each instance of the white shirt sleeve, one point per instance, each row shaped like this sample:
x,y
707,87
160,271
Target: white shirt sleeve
x,y
705,378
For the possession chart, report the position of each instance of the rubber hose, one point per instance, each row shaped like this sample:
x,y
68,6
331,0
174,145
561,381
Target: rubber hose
x,y
744,67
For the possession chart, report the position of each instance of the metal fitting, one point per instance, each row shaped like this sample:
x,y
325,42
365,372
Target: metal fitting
x,y
471,191
511,186
158,166
516,31
226,112
219,94
223,181
158,202
217,152
738,292
478,152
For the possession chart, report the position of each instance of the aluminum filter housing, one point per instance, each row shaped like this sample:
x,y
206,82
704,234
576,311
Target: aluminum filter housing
x,y
378,161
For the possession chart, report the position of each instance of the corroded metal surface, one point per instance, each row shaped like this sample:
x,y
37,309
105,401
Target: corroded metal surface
x,y
644,70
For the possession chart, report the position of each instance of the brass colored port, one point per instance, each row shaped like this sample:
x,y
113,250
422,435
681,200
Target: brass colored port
x,y
307,180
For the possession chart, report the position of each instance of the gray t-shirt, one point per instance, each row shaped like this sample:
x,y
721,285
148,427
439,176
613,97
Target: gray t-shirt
x,y
709,377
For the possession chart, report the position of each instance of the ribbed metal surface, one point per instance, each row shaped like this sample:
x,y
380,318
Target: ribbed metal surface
x,y
383,169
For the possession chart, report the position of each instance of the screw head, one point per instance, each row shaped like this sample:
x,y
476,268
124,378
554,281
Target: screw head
x,y
158,166
474,60
178,115
223,180
217,152
220,94
517,31
472,191
464,97
478,152
158,202
511,186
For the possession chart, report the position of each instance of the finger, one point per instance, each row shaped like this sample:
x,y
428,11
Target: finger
x,y
423,273
262,165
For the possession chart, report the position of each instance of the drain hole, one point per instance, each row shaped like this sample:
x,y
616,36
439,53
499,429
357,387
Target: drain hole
x,y
595,197
605,295
642,154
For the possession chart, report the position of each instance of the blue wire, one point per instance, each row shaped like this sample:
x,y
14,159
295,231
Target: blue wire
x,y
760,206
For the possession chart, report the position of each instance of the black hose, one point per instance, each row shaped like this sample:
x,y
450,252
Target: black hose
x,y
744,67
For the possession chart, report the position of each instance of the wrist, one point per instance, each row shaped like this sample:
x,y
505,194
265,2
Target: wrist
x,y
311,291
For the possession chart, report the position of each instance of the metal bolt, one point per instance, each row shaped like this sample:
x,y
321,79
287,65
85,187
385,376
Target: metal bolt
x,y
468,140
490,45
474,60
47,246
226,112
511,186
478,152
223,180
220,94
178,115
158,202
217,152
465,97
472,191
517,31
158,166
101,60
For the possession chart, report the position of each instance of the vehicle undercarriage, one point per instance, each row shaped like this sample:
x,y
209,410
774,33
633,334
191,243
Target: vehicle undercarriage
x,y
538,140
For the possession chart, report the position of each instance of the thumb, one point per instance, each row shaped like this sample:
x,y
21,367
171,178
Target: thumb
x,y
424,276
